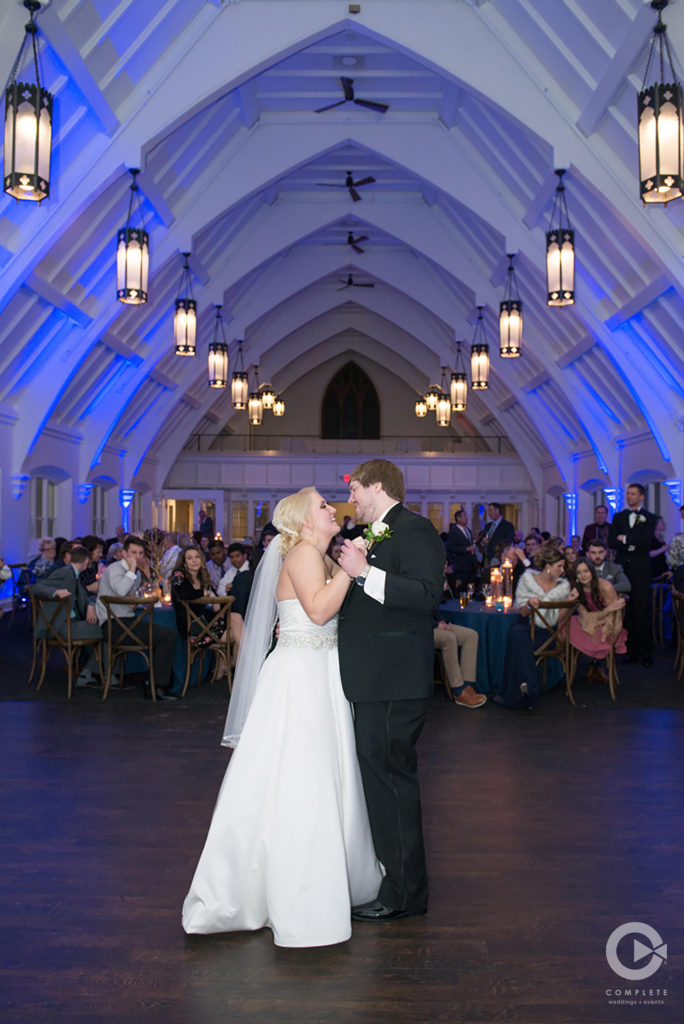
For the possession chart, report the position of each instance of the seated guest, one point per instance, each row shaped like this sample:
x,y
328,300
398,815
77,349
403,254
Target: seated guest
x,y
598,530
531,545
449,639
189,582
592,631
65,582
674,555
89,579
334,547
115,553
171,552
570,558
237,553
44,561
63,556
123,579
216,561
606,570
658,550
545,583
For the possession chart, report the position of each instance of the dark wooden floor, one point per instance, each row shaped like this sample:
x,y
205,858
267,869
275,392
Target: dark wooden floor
x,y
544,832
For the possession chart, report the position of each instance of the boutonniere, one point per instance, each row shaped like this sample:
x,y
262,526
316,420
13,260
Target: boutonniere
x,y
372,536
640,518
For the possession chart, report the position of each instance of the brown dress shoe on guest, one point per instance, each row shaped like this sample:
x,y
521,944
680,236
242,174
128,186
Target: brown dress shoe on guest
x,y
468,698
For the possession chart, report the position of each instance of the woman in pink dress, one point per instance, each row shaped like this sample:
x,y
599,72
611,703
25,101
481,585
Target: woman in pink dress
x,y
593,630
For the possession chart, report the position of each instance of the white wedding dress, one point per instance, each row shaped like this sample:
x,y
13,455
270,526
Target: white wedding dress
x,y
289,844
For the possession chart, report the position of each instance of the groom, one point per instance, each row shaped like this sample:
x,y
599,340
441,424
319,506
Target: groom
x,y
386,653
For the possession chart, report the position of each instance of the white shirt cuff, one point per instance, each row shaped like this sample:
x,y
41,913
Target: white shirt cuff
x,y
375,584
131,575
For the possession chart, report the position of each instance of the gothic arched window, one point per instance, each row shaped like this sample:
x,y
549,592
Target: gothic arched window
x,y
351,407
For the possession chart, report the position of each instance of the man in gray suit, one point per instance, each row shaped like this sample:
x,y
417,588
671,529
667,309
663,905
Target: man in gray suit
x,y
63,582
610,571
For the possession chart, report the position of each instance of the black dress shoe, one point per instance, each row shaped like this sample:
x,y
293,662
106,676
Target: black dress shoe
x,y
377,911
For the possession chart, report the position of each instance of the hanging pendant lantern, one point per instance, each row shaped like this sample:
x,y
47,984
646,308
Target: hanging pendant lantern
x,y
432,397
268,396
443,410
659,111
560,252
510,316
255,407
239,385
278,406
218,355
479,355
28,127
185,316
132,254
459,382
421,408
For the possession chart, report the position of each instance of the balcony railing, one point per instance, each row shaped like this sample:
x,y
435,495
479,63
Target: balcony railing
x,y
308,444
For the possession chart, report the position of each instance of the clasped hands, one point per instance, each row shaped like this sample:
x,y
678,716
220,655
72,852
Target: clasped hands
x,y
352,557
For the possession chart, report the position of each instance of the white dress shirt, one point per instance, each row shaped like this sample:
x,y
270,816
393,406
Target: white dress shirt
x,y
230,576
375,580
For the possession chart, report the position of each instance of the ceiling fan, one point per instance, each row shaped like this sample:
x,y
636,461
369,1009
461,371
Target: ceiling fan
x,y
348,88
354,242
350,184
351,283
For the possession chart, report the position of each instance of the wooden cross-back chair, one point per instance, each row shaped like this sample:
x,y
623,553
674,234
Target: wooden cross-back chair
x,y
678,622
557,645
127,641
201,636
64,641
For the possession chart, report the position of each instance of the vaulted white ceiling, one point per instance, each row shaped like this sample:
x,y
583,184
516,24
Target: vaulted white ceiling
x,y
216,103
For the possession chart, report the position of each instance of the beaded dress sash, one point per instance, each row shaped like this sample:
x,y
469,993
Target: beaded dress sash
x,y
297,629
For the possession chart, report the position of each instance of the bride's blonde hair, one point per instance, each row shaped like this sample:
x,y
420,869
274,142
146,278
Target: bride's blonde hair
x,y
289,516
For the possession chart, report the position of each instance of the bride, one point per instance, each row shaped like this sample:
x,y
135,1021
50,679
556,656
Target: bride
x,y
289,843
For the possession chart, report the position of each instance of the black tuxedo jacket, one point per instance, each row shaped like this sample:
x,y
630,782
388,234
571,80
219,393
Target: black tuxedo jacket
x,y
387,650
505,532
638,537
60,579
461,560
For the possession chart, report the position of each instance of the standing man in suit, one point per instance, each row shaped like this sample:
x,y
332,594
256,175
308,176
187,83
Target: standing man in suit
x,y
64,582
598,530
631,534
498,531
460,549
386,655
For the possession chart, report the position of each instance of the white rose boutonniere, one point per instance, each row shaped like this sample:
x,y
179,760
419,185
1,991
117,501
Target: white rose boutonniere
x,y
372,536
640,518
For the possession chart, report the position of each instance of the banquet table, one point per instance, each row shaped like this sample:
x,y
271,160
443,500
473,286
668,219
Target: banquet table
x,y
492,628
166,616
